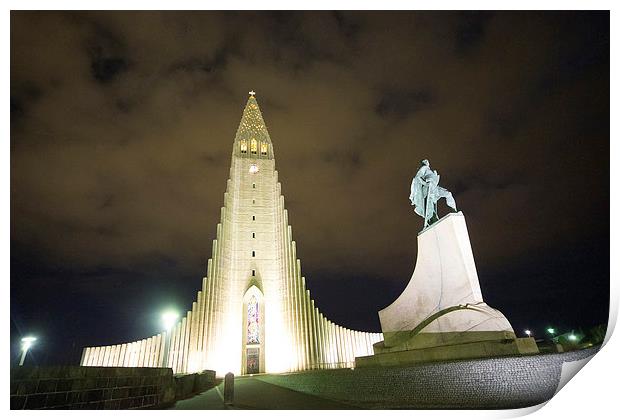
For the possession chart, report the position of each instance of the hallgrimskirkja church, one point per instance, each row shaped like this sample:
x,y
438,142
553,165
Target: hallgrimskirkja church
x,y
254,313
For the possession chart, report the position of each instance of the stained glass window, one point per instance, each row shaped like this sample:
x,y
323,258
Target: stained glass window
x,y
253,325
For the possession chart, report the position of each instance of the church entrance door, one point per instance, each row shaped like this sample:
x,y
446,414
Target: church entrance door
x,y
253,360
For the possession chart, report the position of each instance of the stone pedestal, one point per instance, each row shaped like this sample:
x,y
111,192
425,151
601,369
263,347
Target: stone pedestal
x,y
441,314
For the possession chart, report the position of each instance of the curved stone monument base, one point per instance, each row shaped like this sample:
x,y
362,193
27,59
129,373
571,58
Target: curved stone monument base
x,y
485,348
441,314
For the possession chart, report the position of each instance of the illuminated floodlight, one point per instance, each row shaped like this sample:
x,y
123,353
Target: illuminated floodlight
x,y
169,318
27,342
528,332
572,337
551,330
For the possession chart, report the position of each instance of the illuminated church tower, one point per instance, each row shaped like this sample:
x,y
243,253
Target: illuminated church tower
x,y
254,313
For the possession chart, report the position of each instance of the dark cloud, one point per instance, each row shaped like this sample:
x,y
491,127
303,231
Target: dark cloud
x,y
400,104
122,125
471,30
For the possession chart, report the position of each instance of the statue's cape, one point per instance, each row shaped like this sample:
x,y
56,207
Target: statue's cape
x,y
418,192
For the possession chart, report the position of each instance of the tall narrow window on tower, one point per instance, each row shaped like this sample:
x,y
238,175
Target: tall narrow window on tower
x,y
263,148
244,146
253,146
253,330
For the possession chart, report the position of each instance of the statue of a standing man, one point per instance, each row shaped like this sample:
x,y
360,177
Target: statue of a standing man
x,y
425,192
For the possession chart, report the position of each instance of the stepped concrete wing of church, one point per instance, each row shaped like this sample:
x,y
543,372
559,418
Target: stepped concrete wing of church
x,y
254,313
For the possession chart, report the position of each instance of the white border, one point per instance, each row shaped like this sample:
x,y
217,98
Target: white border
x,y
592,394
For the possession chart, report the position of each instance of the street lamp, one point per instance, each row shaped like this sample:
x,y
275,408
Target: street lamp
x,y
528,332
551,330
27,342
169,318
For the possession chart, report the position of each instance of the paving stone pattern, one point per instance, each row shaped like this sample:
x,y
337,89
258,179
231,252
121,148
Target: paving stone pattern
x,y
72,387
509,382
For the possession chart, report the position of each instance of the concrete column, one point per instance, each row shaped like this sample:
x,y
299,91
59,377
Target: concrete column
x,y
91,359
298,315
208,360
318,340
361,351
100,355
181,346
142,354
118,360
191,346
94,354
84,358
345,347
342,358
302,317
328,343
114,356
350,346
333,344
292,302
136,353
121,354
210,364
202,343
128,355
197,332
176,337
148,353
182,354
326,348
133,356
106,356
217,301
186,349
310,334
338,348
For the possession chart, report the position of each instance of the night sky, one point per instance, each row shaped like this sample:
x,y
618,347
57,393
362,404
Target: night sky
x,y
122,126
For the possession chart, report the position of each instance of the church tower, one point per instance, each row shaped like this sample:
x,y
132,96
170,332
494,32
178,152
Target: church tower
x,y
254,313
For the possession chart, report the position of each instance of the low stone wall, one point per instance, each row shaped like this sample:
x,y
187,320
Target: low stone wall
x,y
508,382
73,387
194,383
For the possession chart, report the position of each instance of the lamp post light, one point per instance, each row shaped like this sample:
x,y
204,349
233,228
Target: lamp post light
x,y
528,332
27,342
169,318
551,330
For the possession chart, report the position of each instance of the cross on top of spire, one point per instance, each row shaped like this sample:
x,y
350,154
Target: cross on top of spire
x,y
252,93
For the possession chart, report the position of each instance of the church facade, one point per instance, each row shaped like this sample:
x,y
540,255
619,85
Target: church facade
x,y
254,313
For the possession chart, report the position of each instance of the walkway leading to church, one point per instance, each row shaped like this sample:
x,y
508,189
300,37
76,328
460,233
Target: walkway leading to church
x,y
252,393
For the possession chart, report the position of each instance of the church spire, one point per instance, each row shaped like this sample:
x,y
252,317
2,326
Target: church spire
x,y
252,138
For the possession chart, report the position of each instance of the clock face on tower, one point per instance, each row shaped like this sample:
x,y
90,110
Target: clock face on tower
x,y
253,168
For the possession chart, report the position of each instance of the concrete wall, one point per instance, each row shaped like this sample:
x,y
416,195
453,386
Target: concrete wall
x,y
72,387
509,382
